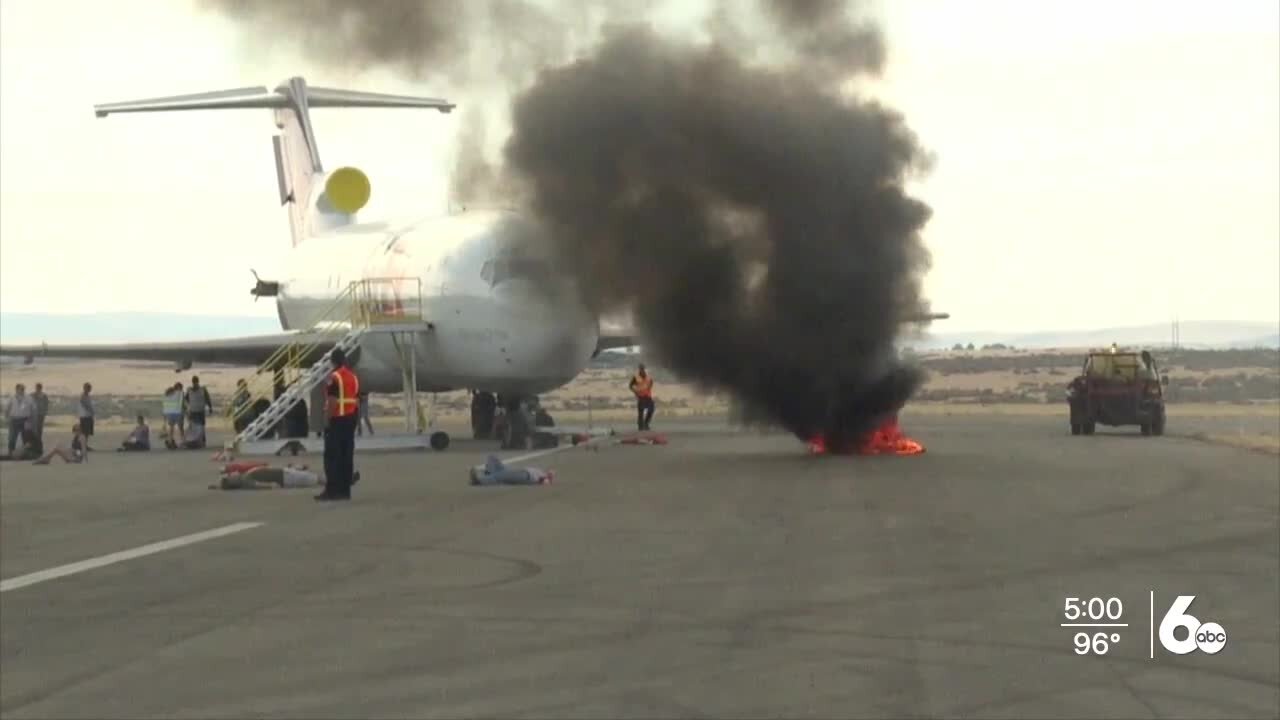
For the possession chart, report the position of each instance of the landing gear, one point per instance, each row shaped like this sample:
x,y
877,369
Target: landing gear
x,y
484,407
518,423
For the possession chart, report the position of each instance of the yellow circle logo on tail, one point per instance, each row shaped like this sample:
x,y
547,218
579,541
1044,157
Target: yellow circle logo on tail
x,y
347,189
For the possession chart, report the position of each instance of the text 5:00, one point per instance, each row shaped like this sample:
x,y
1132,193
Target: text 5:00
x,y
1094,609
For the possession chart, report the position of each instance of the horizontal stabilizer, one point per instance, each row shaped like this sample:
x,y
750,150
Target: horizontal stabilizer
x,y
260,97
247,97
329,97
300,175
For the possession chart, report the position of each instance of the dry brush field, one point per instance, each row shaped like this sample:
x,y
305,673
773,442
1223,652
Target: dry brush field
x,y
1229,395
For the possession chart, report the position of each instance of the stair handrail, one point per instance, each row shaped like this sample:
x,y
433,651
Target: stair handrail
x,y
365,309
290,355
368,306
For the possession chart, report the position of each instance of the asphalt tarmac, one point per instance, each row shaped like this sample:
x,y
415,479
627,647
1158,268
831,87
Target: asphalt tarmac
x,y
723,575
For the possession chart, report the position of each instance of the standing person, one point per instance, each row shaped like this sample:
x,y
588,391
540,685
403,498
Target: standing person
x,y
182,412
342,408
86,416
172,406
198,404
240,406
364,422
20,412
642,386
42,409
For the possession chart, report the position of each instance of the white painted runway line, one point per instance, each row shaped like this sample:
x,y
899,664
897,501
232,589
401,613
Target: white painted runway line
x,y
104,560
547,451
539,453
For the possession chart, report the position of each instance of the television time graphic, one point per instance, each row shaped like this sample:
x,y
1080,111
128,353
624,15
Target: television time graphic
x,y
1097,622
1098,625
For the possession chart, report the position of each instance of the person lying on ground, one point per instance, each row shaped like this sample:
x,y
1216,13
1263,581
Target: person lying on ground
x,y
139,438
75,455
495,472
263,477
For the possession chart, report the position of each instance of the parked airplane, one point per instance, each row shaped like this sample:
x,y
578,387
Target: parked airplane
x,y
502,320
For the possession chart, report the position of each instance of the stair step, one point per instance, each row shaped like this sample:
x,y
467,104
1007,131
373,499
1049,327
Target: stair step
x,y
312,377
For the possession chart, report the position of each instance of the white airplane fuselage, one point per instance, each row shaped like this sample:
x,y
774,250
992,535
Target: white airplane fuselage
x,y
488,313
490,331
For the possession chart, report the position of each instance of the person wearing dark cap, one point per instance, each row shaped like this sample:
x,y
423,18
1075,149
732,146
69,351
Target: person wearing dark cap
x,y
343,407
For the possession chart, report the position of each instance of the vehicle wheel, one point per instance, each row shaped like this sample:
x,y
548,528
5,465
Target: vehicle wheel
x,y
439,440
1089,427
1146,429
1157,428
1075,428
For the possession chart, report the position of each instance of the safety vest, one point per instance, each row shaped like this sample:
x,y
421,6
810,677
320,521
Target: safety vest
x,y
173,403
643,385
347,402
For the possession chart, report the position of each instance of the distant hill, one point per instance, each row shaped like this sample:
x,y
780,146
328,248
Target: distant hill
x,y
27,328
1193,334
24,328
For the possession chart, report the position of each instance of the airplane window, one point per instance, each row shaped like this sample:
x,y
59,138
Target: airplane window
x,y
501,271
520,269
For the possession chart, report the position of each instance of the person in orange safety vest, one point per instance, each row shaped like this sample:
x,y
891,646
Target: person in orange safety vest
x,y
342,411
642,386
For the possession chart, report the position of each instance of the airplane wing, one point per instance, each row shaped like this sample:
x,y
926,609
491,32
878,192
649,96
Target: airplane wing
x,y
251,350
614,341
620,333
616,331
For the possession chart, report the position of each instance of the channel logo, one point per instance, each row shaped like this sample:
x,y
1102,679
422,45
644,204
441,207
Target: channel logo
x,y
1208,637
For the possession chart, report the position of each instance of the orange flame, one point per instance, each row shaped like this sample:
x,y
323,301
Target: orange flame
x,y
884,440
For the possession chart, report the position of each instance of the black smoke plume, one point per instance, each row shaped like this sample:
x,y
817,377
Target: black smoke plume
x,y
753,217
824,34
457,41
418,38
755,221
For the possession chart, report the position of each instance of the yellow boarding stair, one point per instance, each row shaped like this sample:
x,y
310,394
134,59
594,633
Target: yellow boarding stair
x,y
369,305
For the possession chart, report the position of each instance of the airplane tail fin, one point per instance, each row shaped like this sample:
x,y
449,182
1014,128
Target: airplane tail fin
x,y
298,168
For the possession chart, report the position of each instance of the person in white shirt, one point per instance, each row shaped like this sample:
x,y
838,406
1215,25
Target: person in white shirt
x,y
86,415
20,411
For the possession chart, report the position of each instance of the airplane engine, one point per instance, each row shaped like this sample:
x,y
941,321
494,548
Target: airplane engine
x,y
346,191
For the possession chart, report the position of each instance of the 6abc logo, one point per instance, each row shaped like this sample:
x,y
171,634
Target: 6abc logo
x,y
1208,638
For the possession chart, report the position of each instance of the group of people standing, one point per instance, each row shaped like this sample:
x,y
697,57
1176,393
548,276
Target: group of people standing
x,y
185,414
25,414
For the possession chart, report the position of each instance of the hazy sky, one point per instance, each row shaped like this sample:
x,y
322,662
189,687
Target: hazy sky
x,y
1098,163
